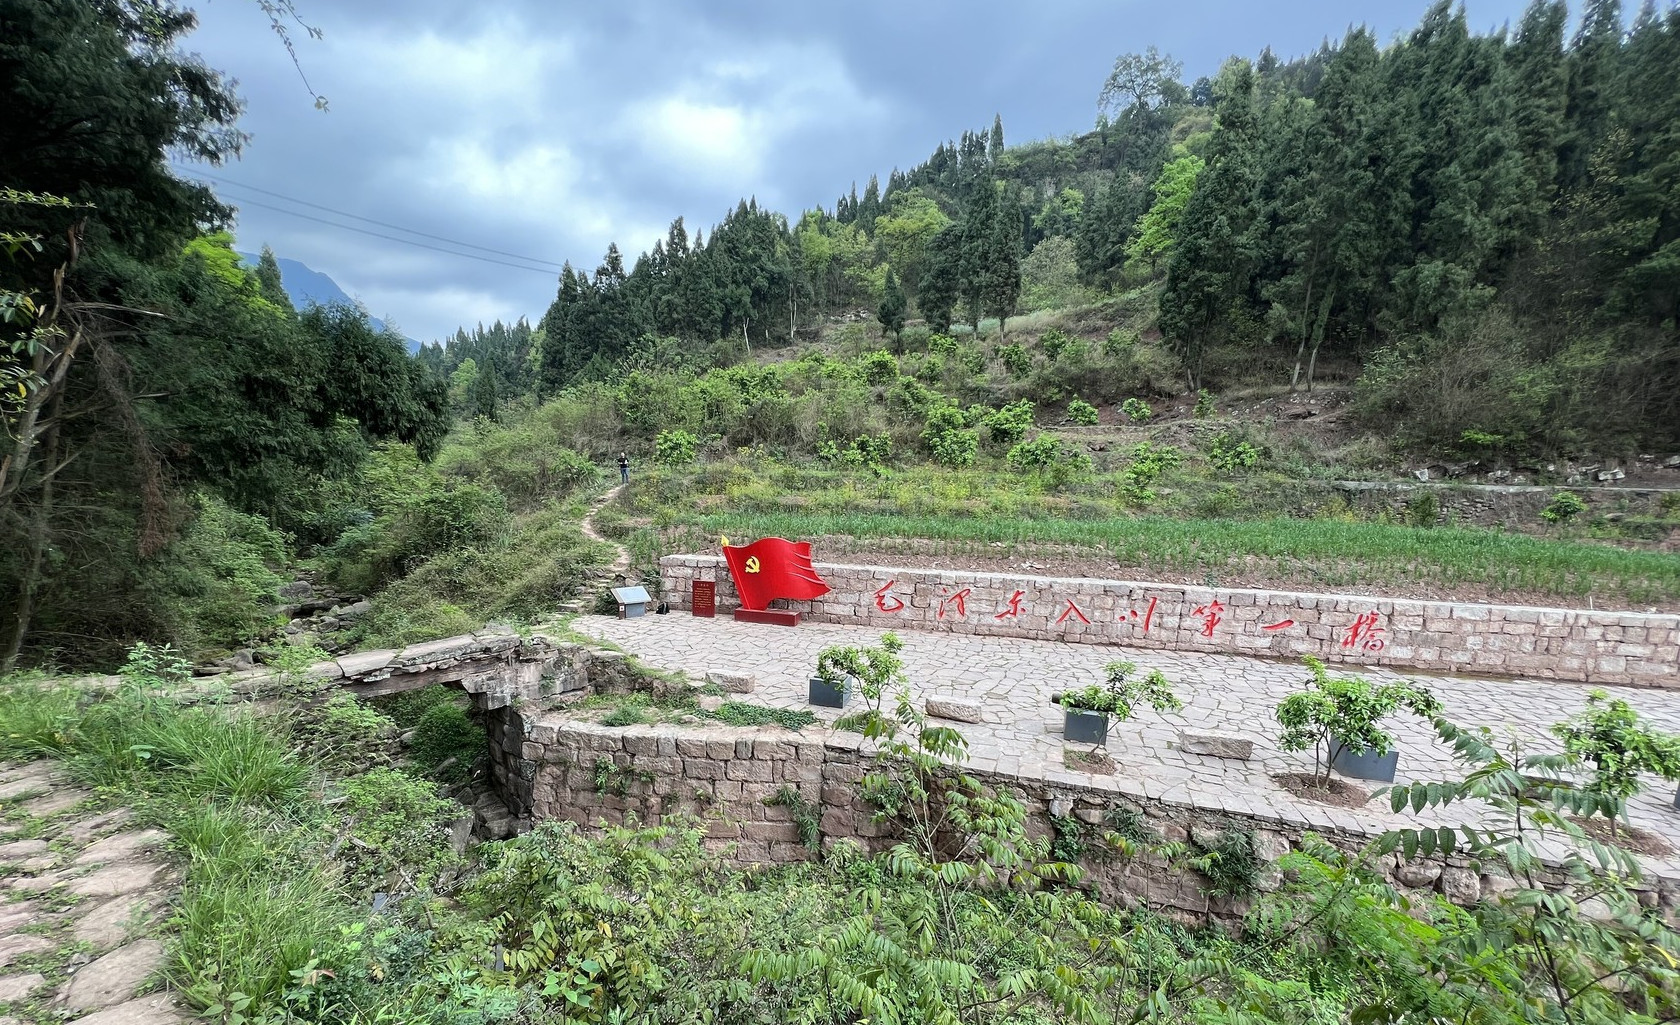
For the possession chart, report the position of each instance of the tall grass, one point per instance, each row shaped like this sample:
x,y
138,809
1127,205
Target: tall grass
x,y
1324,553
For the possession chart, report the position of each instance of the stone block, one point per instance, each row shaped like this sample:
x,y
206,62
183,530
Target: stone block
x,y
1216,745
955,709
645,744
702,768
747,770
732,683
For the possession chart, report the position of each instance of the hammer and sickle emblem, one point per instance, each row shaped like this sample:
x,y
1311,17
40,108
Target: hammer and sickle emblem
x,y
752,564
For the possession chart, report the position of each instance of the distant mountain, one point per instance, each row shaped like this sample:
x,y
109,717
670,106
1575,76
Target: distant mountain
x,y
307,285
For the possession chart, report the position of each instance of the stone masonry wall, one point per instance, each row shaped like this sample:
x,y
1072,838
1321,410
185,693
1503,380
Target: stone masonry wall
x,y
596,775
1633,649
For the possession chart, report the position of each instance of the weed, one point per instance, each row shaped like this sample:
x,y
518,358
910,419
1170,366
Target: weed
x,y
1564,506
612,778
739,713
805,815
1231,863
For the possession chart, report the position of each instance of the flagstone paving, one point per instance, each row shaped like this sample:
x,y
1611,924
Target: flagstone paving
x,y
81,899
1020,731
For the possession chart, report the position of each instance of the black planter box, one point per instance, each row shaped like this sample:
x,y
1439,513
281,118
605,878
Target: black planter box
x,y
1084,727
828,695
1366,764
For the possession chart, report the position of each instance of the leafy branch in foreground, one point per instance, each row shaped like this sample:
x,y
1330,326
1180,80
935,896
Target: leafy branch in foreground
x,y
1564,936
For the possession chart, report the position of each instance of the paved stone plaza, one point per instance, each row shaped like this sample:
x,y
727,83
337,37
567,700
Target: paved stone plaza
x,y
1021,732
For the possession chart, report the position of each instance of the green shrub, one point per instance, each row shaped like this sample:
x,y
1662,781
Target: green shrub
x,y
1007,426
675,448
1015,360
1564,506
948,439
1053,342
343,729
443,733
1082,413
1231,863
1120,343
878,367
943,345
1046,455
1423,510
1228,454
397,823
1204,405
216,585
1136,410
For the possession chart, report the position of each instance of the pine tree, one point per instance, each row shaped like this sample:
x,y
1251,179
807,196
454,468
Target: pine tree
x,y
994,144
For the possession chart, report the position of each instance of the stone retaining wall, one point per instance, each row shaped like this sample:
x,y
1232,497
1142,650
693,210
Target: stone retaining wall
x,y
724,778
1633,649
1495,505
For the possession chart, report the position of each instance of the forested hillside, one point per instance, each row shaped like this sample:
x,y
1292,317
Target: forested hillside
x,y
173,425
1486,225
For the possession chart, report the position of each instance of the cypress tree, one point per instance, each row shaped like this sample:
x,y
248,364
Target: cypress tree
x,y
977,226
1001,280
892,308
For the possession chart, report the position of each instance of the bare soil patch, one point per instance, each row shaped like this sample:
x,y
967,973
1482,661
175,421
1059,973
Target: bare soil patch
x,y
1095,761
1632,838
1308,787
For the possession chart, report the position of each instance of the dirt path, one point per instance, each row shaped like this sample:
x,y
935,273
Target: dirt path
x,y
621,563
82,900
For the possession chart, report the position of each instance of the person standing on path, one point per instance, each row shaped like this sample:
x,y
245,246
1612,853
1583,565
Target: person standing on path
x,y
623,468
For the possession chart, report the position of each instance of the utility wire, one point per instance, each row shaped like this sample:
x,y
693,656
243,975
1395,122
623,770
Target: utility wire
x,y
393,238
370,220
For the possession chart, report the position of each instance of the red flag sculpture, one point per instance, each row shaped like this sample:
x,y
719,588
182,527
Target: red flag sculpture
x,y
773,568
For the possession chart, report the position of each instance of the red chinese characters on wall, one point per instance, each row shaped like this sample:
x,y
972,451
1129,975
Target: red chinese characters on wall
x,y
885,596
1071,610
1146,620
1365,634
957,600
1212,614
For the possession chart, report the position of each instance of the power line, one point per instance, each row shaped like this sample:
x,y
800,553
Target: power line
x,y
393,238
370,220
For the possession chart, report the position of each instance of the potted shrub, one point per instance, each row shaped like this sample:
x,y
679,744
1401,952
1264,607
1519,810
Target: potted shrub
x,y
870,670
1086,712
1337,717
1608,736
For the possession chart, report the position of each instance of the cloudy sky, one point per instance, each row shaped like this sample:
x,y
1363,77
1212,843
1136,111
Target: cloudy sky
x,y
546,130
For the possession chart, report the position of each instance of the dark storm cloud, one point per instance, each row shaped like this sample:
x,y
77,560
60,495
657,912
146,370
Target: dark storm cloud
x,y
550,130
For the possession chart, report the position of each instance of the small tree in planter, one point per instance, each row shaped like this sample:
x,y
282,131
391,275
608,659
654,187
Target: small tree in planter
x,y
1608,735
1088,710
872,669
1339,716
